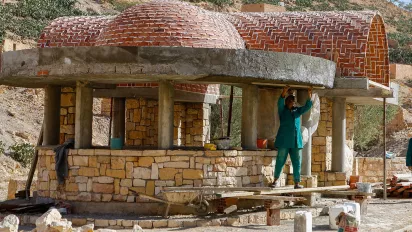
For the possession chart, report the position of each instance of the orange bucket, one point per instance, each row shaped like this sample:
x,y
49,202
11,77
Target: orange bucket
x,y
262,143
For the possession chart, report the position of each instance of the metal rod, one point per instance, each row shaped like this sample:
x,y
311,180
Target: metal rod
x,y
34,163
384,149
111,119
221,116
229,120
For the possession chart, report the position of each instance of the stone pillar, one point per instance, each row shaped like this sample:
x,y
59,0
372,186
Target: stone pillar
x,y
249,117
51,123
268,116
338,134
84,116
119,117
166,110
306,169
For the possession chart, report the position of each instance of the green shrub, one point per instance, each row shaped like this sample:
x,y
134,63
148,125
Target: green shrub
x,y
221,2
2,147
215,123
400,55
22,153
402,38
304,3
121,5
368,124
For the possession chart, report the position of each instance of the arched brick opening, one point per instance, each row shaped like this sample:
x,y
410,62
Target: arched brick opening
x,y
377,55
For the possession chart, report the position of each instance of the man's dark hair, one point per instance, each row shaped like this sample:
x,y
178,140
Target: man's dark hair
x,y
290,97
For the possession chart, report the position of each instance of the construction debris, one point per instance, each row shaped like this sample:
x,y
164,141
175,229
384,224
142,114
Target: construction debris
x,y
53,219
10,224
401,186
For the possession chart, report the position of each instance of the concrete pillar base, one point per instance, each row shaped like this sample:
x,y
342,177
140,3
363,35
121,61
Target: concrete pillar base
x,y
51,130
249,117
84,116
166,112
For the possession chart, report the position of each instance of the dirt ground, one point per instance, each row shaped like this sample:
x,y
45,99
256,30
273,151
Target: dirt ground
x,y
390,215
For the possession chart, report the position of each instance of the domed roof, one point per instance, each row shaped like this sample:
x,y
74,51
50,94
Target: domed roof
x,y
170,23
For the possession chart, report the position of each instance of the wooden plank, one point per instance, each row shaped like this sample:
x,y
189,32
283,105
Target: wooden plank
x,y
404,184
318,189
348,193
234,194
275,198
224,189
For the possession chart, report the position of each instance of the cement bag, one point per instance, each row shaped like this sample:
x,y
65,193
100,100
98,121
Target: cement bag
x,y
305,134
314,113
348,160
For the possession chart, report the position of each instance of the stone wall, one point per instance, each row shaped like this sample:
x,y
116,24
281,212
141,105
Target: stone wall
x,y
191,123
322,143
108,175
371,169
67,113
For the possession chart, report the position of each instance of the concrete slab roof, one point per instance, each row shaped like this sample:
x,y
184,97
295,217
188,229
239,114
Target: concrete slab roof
x,y
114,65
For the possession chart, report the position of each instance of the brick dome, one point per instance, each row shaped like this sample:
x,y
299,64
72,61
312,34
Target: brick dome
x,y
170,23
73,31
356,41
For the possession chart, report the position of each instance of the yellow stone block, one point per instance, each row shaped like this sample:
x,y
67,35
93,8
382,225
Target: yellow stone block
x,y
103,188
180,158
192,174
118,163
102,169
139,189
85,171
116,173
254,179
167,173
132,159
179,179
132,103
81,161
72,187
129,169
68,99
116,186
103,159
146,161
213,153
124,191
150,188
93,161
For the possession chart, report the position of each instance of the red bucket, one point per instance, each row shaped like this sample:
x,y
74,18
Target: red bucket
x,y
262,143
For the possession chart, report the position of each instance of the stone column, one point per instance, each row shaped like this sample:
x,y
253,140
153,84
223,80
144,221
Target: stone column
x,y
119,117
268,116
166,108
51,130
338,134
249,117
306,169
84,116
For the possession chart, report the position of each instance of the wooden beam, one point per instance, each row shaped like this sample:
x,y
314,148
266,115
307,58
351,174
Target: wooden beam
x,y
234,194
276,198
318,189
348,193
225,189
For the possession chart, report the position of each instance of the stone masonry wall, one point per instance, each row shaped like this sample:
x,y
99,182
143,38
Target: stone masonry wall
x,y
371,169
191,123
67,113
107,175
322,144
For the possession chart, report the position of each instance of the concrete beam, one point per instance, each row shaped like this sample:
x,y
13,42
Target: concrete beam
x,y
338,134
51,124
166,112
153,93
306,168
370,93
119,118
111,65
249,117
351,83
84,116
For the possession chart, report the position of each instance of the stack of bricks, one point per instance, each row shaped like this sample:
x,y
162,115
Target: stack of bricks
x,y
191,123
108,175
67,113
322,142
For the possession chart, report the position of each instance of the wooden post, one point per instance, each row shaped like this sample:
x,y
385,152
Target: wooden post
x,y
384,150
272,212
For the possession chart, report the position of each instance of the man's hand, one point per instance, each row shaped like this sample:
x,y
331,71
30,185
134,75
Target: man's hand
x,y
310,92
285,91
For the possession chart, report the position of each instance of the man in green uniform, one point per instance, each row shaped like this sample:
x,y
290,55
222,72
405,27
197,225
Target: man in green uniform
x,y
289,137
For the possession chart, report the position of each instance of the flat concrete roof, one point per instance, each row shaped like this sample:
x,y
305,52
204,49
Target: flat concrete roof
x,y
114,65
